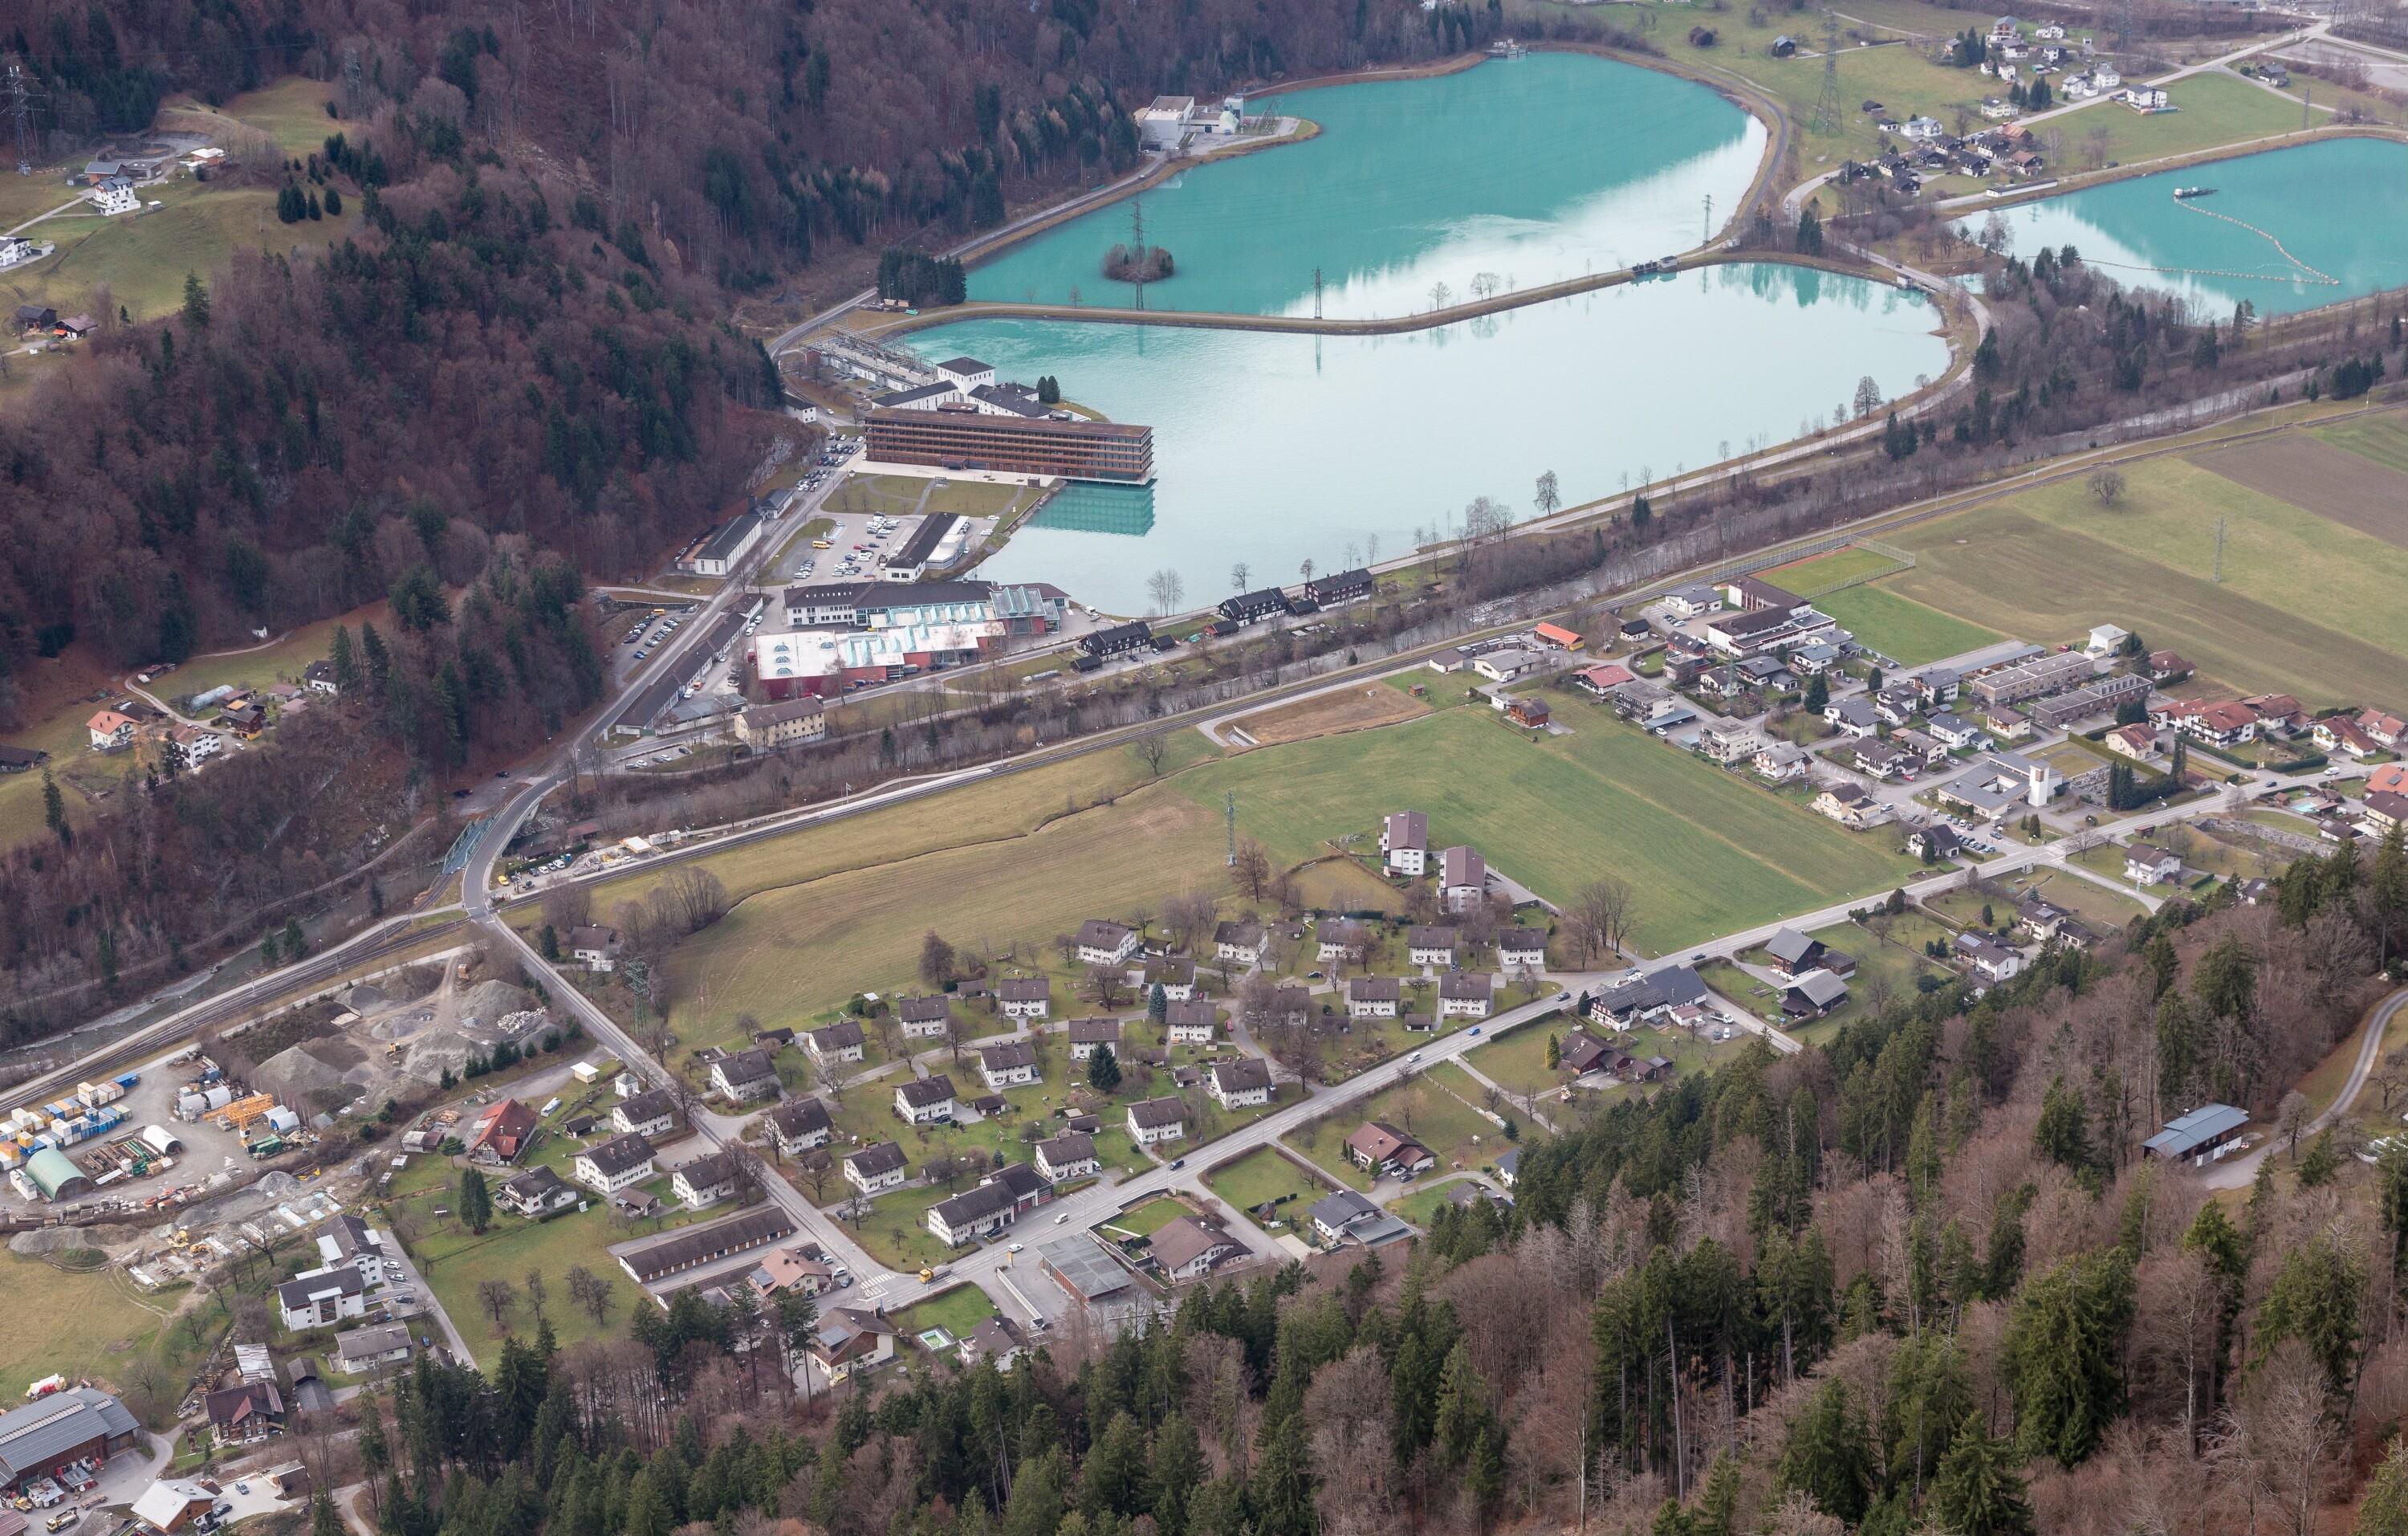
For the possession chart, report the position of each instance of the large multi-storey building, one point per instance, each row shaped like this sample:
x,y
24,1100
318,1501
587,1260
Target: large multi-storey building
x,y
959,437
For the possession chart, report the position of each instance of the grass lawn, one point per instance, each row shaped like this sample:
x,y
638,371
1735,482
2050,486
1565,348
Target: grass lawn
x,y
2307,605
143,257
899,495
283,661
292,111
1519,1060
1151,1217
94,1322
958,1311
1908,633
1264,1176
2214,110
1430,1107
895,1229
73,763
456,1261
2382,438
1886,970
1709,852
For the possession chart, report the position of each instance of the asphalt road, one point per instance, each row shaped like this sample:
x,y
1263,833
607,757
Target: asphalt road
x,y
2236,1173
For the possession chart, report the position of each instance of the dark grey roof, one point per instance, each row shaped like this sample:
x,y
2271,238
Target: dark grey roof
x,y
800,1117
747,1066
647,1106
36,1436
1094,1031
885,1157
1789,945
2195,1129
1151,1113
1342,1209
1667,988
1007,1055
295,1294
618,1154
701,1244
921,1010
1466,985
368,1342
921,1092
1242,1075
1072,1148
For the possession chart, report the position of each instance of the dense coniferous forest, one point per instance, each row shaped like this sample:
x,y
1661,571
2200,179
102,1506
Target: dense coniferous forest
x,y
1917,1279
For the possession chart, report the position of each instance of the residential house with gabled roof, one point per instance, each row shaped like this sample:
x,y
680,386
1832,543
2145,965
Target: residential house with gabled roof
x,y
1174,973
1153,1120
613,1165
2147,864
1465,994
652,1112
1988,959
801,1126
1432,945
536,1194
1404,842
1522,949
1189,1248
923,1018
1811,993
1008,1063
1088,1034
835,1045
997,1202
1068,1156
1342,938
502,1132
1102,942
872,1168
1025,997
1239,942
745,1075
1374,997
1239,1085
1385,1152
706,1180
1193,1022
1463,879
925,1100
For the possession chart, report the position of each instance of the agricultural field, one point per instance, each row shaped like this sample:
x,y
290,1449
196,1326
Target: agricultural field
x,y
1709,852
2306,606
1331,714
2383,438
2353,489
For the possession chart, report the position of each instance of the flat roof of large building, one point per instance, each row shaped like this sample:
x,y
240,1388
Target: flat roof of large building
x,y
1048,426
40,1434
1082,1266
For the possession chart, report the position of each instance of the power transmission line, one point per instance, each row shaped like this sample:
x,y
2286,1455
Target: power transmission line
x,y
1826,107
1316,292
1232,814
20,115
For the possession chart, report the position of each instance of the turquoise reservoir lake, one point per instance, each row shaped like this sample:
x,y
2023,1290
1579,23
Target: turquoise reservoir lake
x,y
1533,170
1274,449
2339,208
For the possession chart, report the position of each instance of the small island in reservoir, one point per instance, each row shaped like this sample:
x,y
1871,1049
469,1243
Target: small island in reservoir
x,y
1137,263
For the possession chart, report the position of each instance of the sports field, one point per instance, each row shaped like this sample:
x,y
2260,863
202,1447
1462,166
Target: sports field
x,y
1820,573
1705,851
1907,632
2306,606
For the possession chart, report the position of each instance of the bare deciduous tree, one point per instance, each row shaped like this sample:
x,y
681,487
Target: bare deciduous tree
x,y
499,1298
1252,870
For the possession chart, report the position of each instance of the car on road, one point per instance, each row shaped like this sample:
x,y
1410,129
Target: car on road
x,y
1414,1059
1011,1248
1475,1031
1177,1163
242,1487
1060,1219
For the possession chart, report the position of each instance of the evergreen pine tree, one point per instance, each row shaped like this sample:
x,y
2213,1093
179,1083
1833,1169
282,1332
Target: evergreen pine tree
x,y
1977,1492
475,1201
1104,1070
54,811
1829,1457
